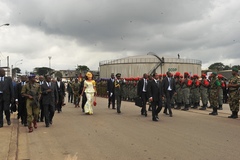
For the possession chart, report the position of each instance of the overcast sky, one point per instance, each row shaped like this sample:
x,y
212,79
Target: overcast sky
x,y
85,32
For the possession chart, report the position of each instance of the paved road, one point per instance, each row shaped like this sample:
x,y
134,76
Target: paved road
x,y
106,135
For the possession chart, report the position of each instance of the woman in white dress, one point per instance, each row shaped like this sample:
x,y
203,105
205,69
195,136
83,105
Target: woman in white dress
x,y
90,90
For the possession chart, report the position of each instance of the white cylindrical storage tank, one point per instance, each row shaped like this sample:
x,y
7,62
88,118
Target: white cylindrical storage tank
x,y
135,66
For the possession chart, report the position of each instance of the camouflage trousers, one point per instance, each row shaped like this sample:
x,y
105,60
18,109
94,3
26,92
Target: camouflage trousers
x,y
213,97
32,114
234,101
186,94
220,97
195,95
204,95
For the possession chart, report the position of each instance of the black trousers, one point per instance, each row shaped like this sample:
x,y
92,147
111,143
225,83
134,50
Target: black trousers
x,y
4,106
60,103
70,97
84,100
49,111
144,99
169,95
22,112
119,100
111,99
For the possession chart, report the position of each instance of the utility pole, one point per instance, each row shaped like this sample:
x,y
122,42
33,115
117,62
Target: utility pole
x,y
49,61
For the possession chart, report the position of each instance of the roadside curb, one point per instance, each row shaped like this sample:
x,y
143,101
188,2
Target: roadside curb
x,y
13,145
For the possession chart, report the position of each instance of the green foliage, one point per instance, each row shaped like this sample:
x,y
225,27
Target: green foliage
x,y
82,68
236,66
217,66
58,74
43,71
16,70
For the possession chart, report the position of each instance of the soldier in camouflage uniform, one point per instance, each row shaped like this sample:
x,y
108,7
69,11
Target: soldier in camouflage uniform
x,y
214,93
178,95
186,91
195,91
204,91
220,96
32,92
233,86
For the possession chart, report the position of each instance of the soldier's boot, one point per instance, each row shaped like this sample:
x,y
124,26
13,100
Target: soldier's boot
x,y
235,115
30,128
214,112
203,107
210,106
220,107
231,116
178,106
35,124
186,107
195,105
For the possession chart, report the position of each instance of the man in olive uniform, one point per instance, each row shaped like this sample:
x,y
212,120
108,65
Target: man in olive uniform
x,y
204,91
118,84
32,93
233,86
76,94
214,93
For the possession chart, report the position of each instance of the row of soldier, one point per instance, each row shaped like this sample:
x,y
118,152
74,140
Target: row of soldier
x,y
186,92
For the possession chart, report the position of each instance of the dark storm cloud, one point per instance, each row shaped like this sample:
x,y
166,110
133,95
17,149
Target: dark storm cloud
x,y
195,29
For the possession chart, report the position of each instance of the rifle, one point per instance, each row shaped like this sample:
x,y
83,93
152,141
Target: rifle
x,y
35,102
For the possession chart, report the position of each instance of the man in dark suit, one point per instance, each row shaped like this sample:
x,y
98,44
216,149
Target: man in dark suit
x,y
21,101
84,98
70,90
110,91
61,94
154,94
49,99
142,92
169,89
6,96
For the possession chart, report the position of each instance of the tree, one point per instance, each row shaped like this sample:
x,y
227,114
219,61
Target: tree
x,y
217,66
58,74
81,70
236,66
43,71
227,67
16,70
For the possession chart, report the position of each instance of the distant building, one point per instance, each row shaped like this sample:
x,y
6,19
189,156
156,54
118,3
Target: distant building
x,y
7,71
135,66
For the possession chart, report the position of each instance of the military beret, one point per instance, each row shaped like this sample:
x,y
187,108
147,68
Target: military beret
x,y
215,73
235,69
118,74
31,75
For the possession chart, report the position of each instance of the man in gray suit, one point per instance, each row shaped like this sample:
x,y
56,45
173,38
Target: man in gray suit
x,y
49,99
6,96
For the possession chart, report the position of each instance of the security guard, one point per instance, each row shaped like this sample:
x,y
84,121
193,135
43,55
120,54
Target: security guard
x,y
233,86
32,93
